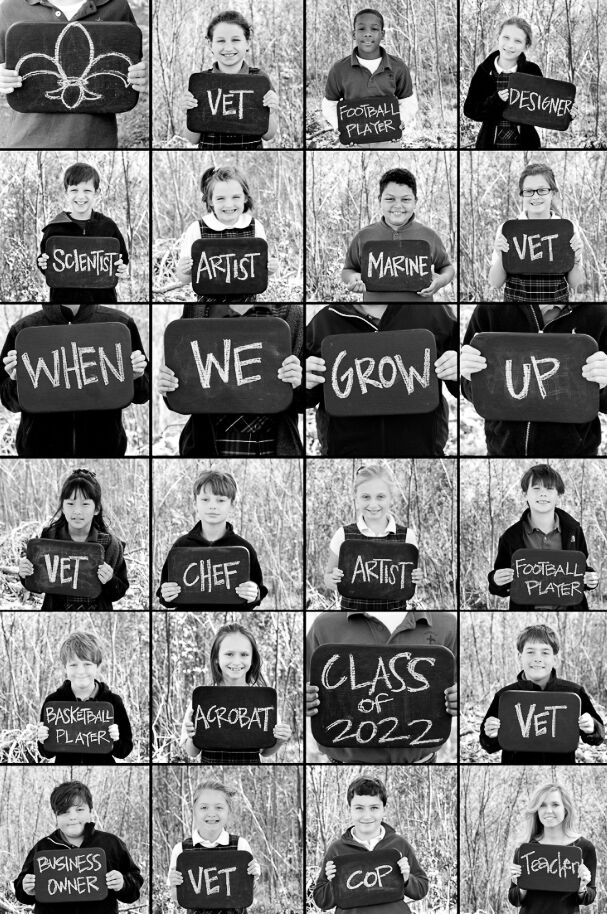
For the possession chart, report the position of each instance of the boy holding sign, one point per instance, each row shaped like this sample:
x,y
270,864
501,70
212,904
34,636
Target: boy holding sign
x,y
538,648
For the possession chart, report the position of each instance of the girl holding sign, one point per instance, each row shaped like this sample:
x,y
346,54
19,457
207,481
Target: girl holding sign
x,y
235,661
79,518
550,818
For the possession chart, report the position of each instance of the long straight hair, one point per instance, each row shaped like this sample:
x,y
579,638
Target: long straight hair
x,y
534,826
254,674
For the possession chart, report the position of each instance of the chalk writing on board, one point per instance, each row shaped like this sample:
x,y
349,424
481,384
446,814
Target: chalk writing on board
x,y
538,101
377,568
215,878
229,103
560,866
232,716
64,567
385,373
232,359
367,879
228,267
539,722
101,263
369,119
70,875
538,246
78,726
550,867
73,364
537,576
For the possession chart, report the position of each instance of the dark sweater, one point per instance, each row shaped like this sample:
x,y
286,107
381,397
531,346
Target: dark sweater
x,y
539,902
484,104
78,434
538,439
491,744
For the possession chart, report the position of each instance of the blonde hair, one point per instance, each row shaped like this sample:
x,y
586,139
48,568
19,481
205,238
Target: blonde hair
x,y
535,829
213,784
371,471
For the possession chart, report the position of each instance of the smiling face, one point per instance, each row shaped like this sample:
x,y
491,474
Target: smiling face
x,y
79,511
234,657
551,812
537,206
229,46
537,660
373,499
80,199
397,204
211,812
541,499
366,814
511,43
228,201
72,821
368,35
81,674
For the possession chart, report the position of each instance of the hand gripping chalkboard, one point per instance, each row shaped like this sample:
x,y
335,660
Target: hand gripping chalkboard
x,y
73,67
209,574
388,373
70,875
377,569
549,867
396,266
535,377
230,266
74,367
390,697
538,246
367,879
543,577
78,726
369,120
539,102
214,878
64,567
229,103
234,717
539,721
83,262
228,365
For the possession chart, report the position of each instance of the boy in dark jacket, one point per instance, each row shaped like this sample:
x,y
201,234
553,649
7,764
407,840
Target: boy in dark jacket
x,y
538,648
78,434
215,493
80,653
535,439
367,800
72,804
417,435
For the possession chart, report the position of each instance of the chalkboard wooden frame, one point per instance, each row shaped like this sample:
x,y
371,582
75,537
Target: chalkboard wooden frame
x,y
217,857
180,558
355,558
228,735
568,399
246,253
358,120
395,255
267,396
75,247
43,875
251,119
381,666
519,83
101,386
346,865
54,745
91,556
565,721
416,350
543,882
519,591
556,257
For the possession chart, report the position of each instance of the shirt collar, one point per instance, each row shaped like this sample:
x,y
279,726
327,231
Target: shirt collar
x,y
372,842
384,62
211,220
403,226
411,619
223,838
243,69
530,529
501,69
366,530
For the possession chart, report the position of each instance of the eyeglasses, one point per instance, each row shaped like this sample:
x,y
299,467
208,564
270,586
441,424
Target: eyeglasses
x,y
541,191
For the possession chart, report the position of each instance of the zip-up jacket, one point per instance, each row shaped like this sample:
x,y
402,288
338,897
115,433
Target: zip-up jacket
x,y
538,439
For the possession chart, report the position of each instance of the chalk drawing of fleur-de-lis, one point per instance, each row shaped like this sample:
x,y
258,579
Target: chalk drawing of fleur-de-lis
x,y
72,35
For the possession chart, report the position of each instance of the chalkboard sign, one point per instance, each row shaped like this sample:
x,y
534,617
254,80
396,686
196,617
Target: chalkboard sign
x,y
539,721
64,567
377,569
539,102
535,377
82,263
392,697
228,365
548,577
214,878
367,879
229,103
70,875
369,120
209,574
396,266
538,246
74,367
78,726
234,717
73,67
230,266
388,373
550,867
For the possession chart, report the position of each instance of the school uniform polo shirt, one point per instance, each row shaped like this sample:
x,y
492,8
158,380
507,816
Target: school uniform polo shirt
x,y
410,231
348,79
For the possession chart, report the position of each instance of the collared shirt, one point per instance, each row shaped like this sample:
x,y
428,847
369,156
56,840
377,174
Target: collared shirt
x,y
348,79
534,538
192,233
222,841
499,69
371,843
210,140
339,536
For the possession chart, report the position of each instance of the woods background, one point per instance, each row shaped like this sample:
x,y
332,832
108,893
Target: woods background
x,y
32,194
120,806
28,676
421,807
267,512
489,195
276,184
491,500
423,34
492,824
342,190
268,812
181,662
29,497
489,661
569,38
180,48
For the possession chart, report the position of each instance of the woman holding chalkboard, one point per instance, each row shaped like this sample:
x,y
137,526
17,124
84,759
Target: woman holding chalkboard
x,y
550,818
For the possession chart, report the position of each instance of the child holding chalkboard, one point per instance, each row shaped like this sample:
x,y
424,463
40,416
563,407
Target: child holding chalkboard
x,y
72,804
215,493
235,661
229,37
538,649
81,655
367,798
551,820
79,518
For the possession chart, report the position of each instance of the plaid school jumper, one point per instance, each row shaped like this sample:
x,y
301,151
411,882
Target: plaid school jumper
x,y
540,288
206,232
187,844
507,135
351,532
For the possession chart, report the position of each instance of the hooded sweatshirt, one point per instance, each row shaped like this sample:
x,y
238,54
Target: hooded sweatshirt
x,y
78,434
415,888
